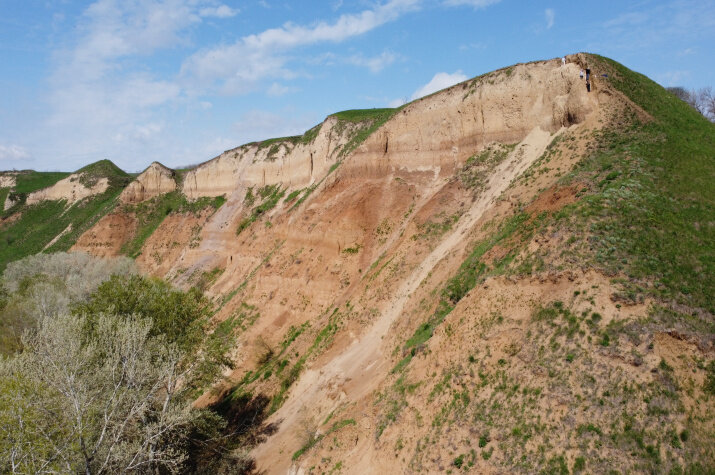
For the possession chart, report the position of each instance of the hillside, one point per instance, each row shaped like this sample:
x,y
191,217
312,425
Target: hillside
x,y
48,211
510,275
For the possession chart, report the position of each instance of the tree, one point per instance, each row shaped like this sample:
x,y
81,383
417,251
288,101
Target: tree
x,y
702,100
48,284
106,401
175,314
183,318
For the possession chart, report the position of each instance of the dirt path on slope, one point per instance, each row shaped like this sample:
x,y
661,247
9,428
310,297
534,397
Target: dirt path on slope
x,y
357,370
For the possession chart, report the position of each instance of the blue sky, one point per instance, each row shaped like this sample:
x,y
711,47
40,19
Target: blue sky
x,y
179,81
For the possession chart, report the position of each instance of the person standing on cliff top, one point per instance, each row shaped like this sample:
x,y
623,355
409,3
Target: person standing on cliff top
x,y
563,61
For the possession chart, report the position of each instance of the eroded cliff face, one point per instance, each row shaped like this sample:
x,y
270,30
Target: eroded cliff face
x,y
7,180
291,163
336,278
155,180
72,189
441,131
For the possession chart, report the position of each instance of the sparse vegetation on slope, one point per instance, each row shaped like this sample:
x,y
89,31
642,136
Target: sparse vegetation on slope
x,y
42,222
152,212
269,196
365,122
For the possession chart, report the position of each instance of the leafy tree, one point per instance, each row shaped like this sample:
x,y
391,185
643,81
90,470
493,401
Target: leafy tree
x,y
47,284
177,315
107,400
181,317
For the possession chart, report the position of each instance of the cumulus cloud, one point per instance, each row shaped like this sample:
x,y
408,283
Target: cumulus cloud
x,y
237,68
549,14
221,11
277,90
99,98
472,3
439,82
13,153
374,64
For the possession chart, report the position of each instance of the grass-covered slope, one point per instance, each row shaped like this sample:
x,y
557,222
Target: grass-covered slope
x,y
650,217
644,219
28,229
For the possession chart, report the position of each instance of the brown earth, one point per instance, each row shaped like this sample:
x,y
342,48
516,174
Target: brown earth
x,y
106,238
335,286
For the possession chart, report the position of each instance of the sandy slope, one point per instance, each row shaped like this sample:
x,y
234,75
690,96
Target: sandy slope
x,y
363,363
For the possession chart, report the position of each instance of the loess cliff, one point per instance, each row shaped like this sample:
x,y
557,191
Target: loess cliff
x,y
437,287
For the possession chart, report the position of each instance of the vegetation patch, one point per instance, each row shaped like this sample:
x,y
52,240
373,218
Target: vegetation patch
x,y
151,213
29,181
40,223
646,216
363,123
269,197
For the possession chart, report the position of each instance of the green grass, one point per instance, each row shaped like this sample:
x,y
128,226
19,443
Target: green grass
x,y
27,182
151,213
42,222
368,119
362,115
270,195
650,216
101,169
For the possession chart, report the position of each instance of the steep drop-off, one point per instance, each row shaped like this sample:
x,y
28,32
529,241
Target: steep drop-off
x,y
507,275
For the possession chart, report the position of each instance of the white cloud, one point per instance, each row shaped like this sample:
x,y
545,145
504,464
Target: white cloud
x,y
221,11
237,68
374,64
657,27
100,101
439,82
478,46
472,3
13,152
277,90
550,15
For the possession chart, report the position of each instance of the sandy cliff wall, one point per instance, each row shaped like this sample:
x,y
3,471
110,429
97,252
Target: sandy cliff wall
x,y
71,189
294,164
445,129
155,180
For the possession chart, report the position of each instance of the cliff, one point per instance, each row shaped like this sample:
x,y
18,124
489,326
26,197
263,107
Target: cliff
x,y
512,274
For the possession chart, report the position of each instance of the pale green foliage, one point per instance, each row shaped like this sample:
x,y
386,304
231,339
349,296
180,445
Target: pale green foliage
x,y
79,272
108,400
48,284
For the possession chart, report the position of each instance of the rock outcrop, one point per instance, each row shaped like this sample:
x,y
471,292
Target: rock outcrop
x,y
155,180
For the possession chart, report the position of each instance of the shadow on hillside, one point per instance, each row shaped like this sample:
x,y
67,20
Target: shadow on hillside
x,y
226,450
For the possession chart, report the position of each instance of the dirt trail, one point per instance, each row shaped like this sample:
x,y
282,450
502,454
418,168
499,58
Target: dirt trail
x,y
355,372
